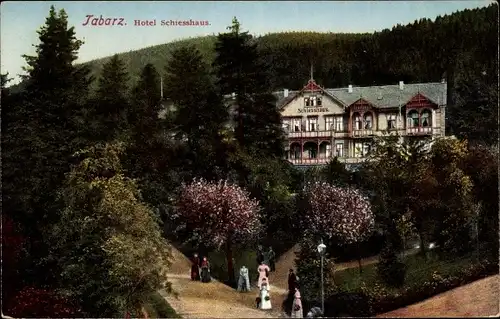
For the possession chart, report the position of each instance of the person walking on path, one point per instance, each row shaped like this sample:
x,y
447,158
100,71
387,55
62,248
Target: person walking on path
x,y
297,311
260,255
195,267
263,274
244,281
271,256
292,282
205,270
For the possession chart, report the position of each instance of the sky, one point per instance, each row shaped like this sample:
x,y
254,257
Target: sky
x,y
19,21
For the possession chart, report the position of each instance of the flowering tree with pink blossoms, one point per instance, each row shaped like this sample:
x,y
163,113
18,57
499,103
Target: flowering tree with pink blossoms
x,y
219,214
340,212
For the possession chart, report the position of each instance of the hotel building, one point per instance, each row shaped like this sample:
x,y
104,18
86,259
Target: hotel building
x,y
323,123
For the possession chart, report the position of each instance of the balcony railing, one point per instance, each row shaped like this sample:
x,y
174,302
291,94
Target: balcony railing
x,y
362,133
317,134
325,160
418,130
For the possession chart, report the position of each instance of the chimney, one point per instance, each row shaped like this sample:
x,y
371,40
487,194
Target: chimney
x,y
285,92
350,88
401,85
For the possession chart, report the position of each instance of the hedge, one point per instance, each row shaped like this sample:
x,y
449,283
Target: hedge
x,y
367,302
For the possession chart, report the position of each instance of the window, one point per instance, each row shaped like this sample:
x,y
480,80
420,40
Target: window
x,y
413,119
426,118
368,121
295,152
366,149
358,149
312,124
358,124
312,152
307,101
318,101
296,125
329,123
362,149
339,124
286,125
391,121
339,149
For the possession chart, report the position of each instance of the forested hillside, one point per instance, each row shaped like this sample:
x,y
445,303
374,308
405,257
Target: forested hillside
x,y
461,48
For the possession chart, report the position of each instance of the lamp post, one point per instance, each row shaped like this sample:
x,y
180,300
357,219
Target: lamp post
x,y
321,251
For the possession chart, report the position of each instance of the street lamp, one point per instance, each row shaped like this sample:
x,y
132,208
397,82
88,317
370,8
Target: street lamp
x,y
321,250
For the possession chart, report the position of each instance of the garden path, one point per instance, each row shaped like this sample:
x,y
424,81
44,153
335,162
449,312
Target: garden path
x,y
477,299
210,300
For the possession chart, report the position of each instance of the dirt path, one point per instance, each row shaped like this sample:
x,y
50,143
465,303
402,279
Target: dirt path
x,y
214,299
477,299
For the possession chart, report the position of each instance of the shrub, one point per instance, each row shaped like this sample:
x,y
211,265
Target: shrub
x,y
155,304
348,304
41,303
309,272
383,300
390,268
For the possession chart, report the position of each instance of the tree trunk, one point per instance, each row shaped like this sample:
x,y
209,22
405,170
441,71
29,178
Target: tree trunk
x,y
230,265
359,260
423,249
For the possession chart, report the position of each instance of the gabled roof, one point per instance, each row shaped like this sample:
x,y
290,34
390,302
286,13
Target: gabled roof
x,y
311,86
389,96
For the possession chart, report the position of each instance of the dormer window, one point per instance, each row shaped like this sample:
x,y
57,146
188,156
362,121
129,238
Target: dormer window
x,y
307,101
312,101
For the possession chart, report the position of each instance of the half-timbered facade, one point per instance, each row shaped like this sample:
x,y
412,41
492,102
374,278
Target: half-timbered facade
x,y
322,123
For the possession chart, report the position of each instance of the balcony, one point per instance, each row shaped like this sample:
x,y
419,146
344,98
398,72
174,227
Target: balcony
x,y
316,134
419,130
325,160
362,133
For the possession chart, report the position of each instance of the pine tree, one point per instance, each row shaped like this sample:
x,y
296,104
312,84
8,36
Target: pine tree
x,y
112,100
241,70
44,131
200,114
146,96
146,148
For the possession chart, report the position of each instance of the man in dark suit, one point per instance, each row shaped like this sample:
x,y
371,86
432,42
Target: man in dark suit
x,y
292,282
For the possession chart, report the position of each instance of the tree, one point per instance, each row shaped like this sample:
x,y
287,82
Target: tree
x,y
454,209
400,180
42,133
336,173
107,243
112,103
218,214
200,114
482,166
146,106
406,229
241,71
336,212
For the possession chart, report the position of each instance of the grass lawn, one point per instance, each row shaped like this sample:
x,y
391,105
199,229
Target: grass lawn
x,y
418,271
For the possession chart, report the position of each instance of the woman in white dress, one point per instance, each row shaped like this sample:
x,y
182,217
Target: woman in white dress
x,y
265,298
297,311
263,273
